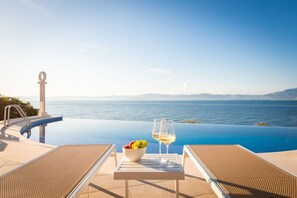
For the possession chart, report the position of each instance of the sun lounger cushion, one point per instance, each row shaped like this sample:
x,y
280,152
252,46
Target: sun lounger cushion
x,y
55,174
241,173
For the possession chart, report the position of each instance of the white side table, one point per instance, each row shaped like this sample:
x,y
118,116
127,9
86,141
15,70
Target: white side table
x,y
148,168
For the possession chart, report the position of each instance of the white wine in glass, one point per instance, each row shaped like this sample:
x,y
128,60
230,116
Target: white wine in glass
x,y
155,133
167,139
167,136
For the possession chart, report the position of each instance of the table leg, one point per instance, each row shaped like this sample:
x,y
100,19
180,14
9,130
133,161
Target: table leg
x,y
176,188
126,189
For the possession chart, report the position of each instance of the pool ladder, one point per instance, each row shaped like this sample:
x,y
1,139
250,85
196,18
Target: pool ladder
x,y
23,115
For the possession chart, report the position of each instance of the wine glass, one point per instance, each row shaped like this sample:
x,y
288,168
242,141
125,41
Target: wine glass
x,y
167,136
155,133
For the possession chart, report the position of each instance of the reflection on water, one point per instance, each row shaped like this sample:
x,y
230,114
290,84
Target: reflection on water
x,y
42,133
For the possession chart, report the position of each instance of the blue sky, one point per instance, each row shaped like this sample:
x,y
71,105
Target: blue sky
x,y
97,48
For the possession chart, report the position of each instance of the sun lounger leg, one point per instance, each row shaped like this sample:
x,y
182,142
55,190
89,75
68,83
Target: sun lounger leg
x,y
176,188
184,157
115,157
126,189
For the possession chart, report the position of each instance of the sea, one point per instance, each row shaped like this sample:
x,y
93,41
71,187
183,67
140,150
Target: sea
x,y
225,112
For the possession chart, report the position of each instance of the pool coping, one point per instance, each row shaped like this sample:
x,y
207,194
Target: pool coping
x,y
38,122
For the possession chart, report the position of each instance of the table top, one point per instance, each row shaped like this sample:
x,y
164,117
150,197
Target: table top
x,y
148,168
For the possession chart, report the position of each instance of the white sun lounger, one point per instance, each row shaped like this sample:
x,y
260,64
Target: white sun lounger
x,y
62,172
234,171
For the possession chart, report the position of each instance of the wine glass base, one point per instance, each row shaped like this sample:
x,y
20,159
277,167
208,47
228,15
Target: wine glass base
x,y
163,161
170,165
166,163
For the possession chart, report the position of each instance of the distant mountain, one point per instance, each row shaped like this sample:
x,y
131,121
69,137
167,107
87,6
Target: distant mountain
x,y
289,94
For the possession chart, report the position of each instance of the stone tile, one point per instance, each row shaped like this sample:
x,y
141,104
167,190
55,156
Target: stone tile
x,y
12,163
190,187
119,193
191,176
100,174
142,182
212,195
101,192
85,190
191,169
84,196
22,152
94,195
6,168
109,166
106,182
151,190
286,160
3,162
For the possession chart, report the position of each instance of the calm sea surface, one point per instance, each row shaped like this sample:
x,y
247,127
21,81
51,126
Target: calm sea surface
x,y
275,113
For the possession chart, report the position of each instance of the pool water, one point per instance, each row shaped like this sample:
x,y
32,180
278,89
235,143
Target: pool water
x,y
87,131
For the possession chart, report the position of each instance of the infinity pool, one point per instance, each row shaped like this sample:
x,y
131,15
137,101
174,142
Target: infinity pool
x,y
86,131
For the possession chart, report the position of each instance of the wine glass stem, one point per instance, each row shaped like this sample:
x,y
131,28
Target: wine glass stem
x,y
167,147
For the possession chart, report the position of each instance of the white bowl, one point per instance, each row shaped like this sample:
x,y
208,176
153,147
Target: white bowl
x,y
134,155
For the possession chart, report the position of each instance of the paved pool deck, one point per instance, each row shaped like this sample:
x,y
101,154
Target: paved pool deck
x,y
16,150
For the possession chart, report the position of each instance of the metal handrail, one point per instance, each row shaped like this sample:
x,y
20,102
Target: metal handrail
x,y
21,112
